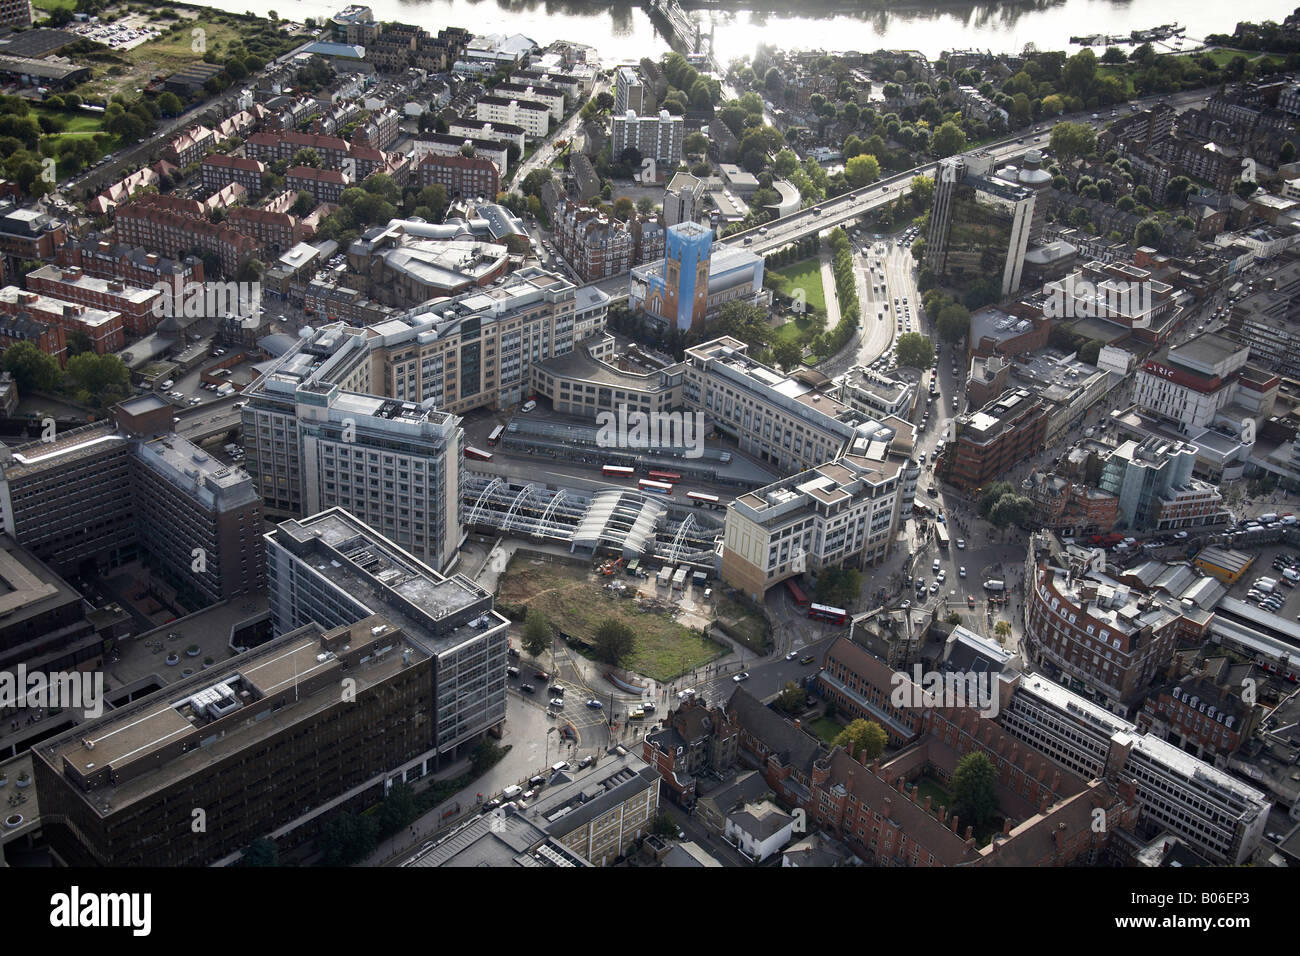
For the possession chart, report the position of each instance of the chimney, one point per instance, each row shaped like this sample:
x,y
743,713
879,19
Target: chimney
x,y
956,824
889,807
927,804
1006,825
970,833
797,723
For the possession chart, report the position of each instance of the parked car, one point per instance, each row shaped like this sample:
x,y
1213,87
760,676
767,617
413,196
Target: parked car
x,y
527,688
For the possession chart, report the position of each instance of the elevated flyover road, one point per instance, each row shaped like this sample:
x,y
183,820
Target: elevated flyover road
x,y
216,417
852,205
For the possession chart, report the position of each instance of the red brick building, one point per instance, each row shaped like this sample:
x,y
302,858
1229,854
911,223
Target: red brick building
x,y
989,441
270,147
136,266
104,329
274,232
173,226
467,176
138,307
326,185
220,170
46,336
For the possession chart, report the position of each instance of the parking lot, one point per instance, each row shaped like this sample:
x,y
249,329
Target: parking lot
x,y
1284,600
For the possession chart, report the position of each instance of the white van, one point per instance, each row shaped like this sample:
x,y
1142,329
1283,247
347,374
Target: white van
x,y
512,791
166,385
528,406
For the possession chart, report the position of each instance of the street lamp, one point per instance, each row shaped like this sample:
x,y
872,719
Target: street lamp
x,y
549,730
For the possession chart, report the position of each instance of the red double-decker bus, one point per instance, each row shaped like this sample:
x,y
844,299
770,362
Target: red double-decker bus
x,y
831,615
668,476
617,471
796,594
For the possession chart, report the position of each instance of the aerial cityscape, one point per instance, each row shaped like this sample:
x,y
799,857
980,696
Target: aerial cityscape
x,y
673,434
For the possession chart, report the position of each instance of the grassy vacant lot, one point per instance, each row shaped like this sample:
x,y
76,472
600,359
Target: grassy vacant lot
x,y
807,275
576,601
826,729
743,623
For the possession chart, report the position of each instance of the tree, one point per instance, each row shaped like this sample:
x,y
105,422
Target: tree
x,y
863,739
786,354
1002,629
773,81
398,808
104,378
947,140
861,170
922,192
972,788
1177,190
954,618
696,143
1149,232
537,633
304,204
261,852
993,491
624,208
31,368
791,698
347,838
1287,153
915,351
1011,510
170,104
614,641
1073,140
953,322
485,756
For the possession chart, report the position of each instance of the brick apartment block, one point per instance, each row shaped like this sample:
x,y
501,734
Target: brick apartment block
x,y
270,147
467,176
220,170
103,328
137,306
173,226
190,146
325,185
137,267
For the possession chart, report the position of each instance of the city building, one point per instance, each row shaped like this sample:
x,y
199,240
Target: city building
x,y
467,176
16,13
104,259
695,739
119,790
460,145
111,491
172,226
333,570
1154,489
484,131
988,442
602,813
1104,638
190,146
139,308
683,199
534,118
693,281
46,336
841,513
654,137
219,170
979,225
324,185
549,96
102,329
599,247
629,92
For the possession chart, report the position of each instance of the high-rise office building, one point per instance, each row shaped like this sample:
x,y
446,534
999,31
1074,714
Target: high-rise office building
x,y
654,137
108,492
979,224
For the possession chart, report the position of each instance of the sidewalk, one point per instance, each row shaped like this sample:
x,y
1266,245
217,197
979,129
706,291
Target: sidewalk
x,y
829,290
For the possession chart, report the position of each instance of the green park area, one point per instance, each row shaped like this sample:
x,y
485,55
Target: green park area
x,y
575,600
